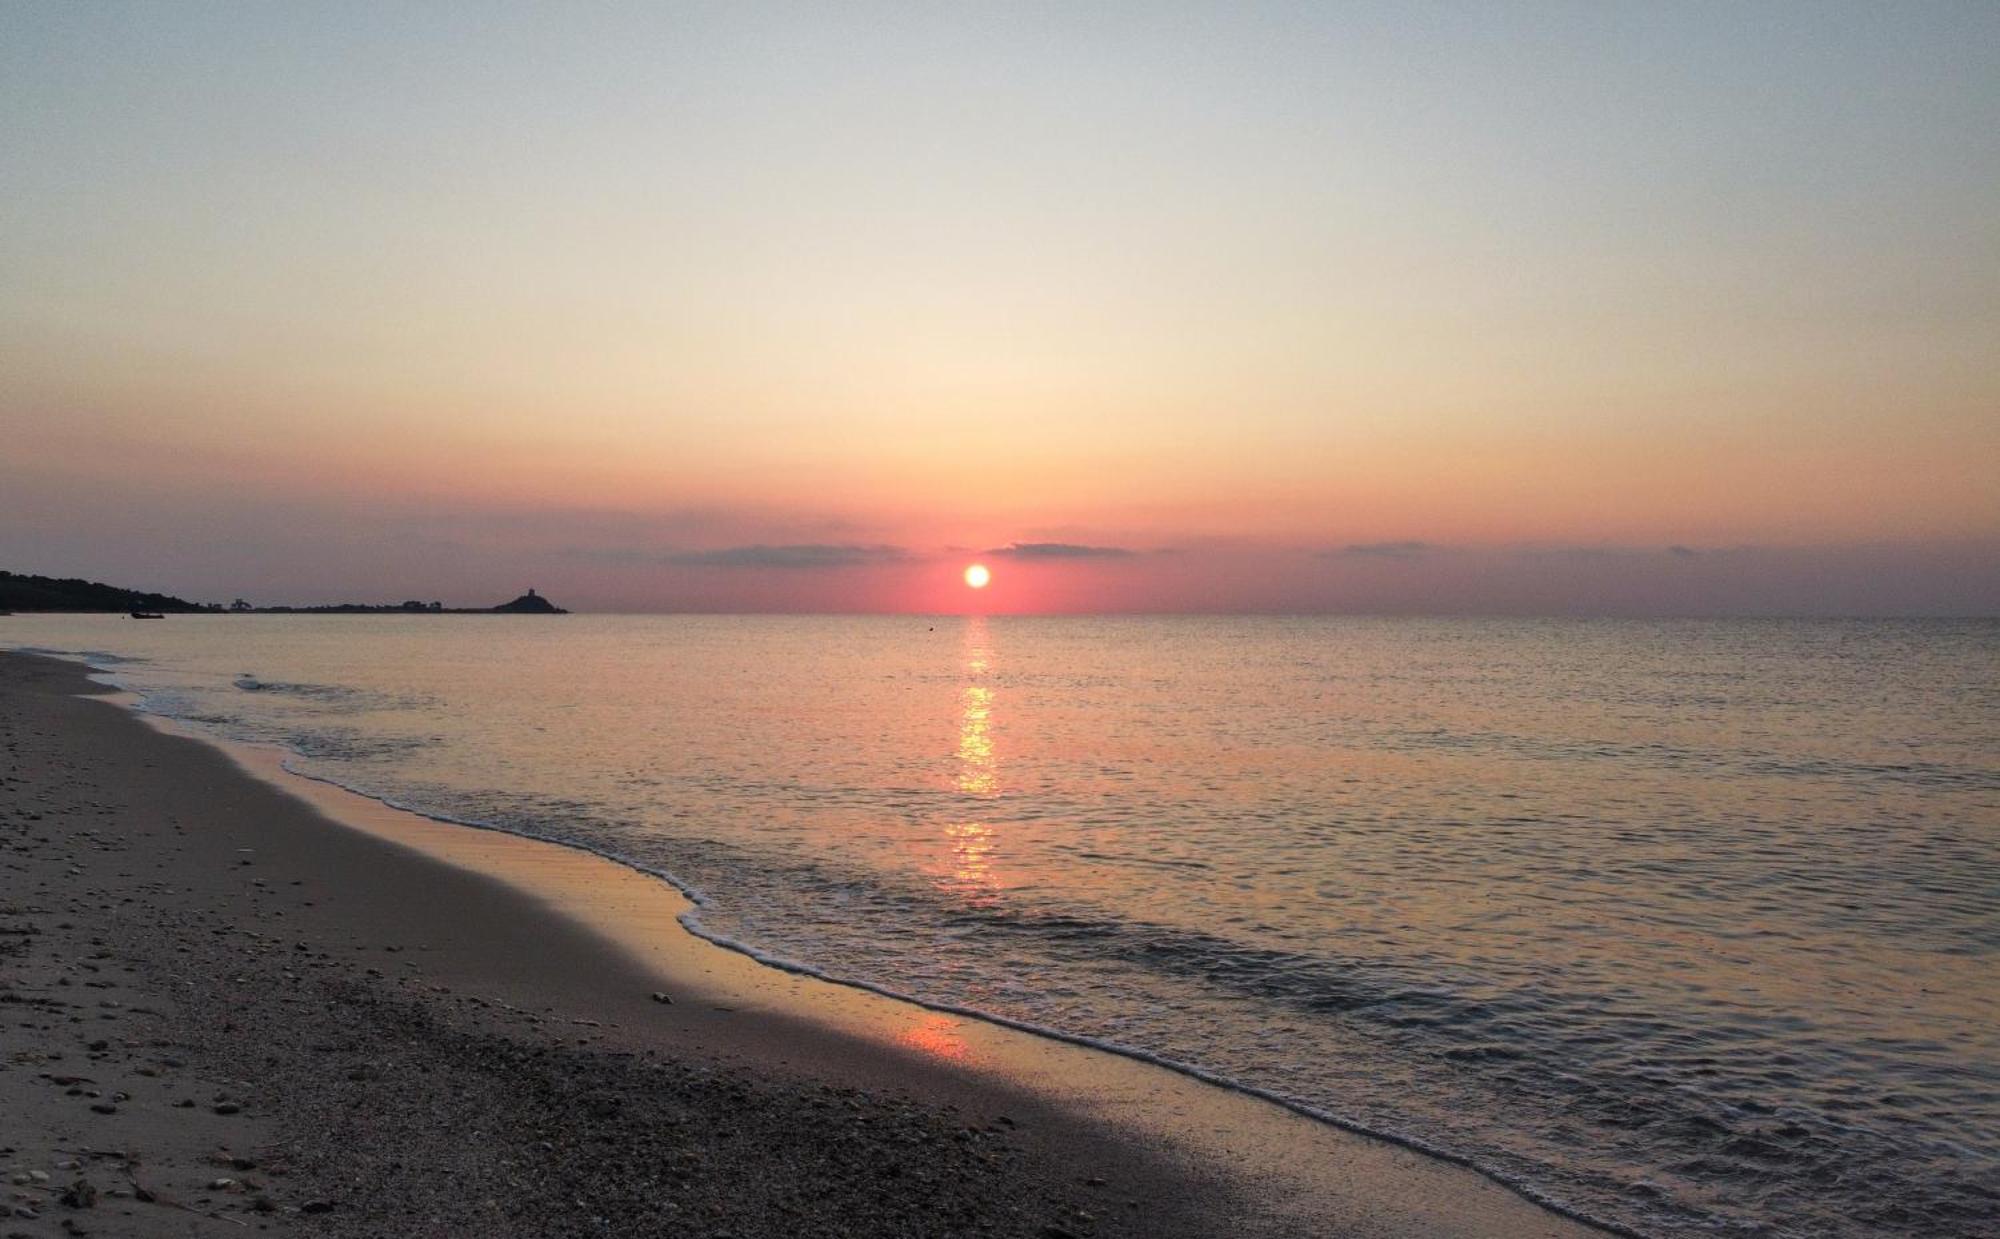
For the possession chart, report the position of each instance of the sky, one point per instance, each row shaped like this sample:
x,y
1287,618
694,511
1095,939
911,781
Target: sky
x,y
1459,308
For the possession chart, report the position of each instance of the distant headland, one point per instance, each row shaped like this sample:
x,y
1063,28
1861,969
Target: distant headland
x,y
530,603
25,593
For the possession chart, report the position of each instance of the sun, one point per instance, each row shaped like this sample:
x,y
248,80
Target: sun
x,y
977,576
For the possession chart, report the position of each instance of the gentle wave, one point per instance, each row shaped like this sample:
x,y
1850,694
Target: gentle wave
x,y
692,922
1484,890
1681,759
336,696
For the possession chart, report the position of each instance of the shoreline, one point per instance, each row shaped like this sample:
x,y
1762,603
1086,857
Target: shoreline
x,y
512,934
272,765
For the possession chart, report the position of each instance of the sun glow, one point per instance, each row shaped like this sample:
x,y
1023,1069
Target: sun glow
x,y
977,576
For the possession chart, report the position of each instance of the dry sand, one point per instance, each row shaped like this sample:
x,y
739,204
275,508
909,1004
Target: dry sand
x,y
230,1004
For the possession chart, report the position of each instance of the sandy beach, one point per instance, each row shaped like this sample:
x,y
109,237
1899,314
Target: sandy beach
x,y
236,1001
1287,621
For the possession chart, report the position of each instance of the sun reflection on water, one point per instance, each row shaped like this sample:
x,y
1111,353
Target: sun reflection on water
x,y
967,869
976,773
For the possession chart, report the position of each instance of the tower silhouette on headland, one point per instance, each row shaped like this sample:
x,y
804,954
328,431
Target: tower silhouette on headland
x,y
530,603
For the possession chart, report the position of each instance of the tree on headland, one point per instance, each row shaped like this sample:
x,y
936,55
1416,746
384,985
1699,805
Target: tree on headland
x,y
27,592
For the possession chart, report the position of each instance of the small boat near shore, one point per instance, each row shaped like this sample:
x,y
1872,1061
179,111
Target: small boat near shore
x,y
147,615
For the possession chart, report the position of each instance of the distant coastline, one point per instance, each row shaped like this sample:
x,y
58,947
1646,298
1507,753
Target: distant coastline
x,y
530,603
28,593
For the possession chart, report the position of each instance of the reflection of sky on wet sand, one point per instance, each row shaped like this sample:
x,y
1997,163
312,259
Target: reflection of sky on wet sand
x,y
936,1035
1481,877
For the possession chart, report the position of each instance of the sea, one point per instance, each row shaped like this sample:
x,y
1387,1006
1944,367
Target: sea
x,y
1691,928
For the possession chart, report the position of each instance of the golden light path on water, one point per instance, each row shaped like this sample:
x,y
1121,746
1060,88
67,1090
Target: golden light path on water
x,y
972,840
1502,885
968,870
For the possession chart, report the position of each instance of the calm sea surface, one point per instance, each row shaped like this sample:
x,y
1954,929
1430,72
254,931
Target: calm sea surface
x,y
1688,926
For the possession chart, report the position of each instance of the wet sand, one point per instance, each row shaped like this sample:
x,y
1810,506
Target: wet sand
x,y
264,1002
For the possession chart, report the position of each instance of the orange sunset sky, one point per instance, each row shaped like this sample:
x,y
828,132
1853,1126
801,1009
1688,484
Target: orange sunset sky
x,y
1680,309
